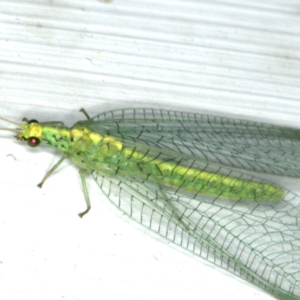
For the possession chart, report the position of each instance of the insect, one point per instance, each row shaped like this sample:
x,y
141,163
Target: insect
x,y
196,180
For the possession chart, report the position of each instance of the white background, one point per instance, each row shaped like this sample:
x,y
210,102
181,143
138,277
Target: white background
x,y
230,57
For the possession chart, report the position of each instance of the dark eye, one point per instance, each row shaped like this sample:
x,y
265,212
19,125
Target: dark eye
x,y
32,121
33,141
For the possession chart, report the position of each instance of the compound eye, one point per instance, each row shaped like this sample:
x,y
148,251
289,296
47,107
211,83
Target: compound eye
x,y
33,141
32,121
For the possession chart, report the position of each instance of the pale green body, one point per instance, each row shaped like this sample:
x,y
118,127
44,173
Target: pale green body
x,y
108,156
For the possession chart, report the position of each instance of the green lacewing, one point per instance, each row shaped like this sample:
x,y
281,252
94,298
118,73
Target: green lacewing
x,y
195,180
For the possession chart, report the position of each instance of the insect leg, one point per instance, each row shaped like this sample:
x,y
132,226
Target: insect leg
x,y
85,113
82,174
52,170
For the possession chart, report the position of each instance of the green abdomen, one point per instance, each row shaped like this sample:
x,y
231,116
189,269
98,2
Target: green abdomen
x,y
108,156
199,182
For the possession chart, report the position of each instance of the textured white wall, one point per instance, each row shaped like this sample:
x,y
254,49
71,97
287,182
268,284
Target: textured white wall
x,y
230,57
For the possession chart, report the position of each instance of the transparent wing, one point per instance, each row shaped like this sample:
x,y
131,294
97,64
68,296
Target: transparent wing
x,y
259,243
236,143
